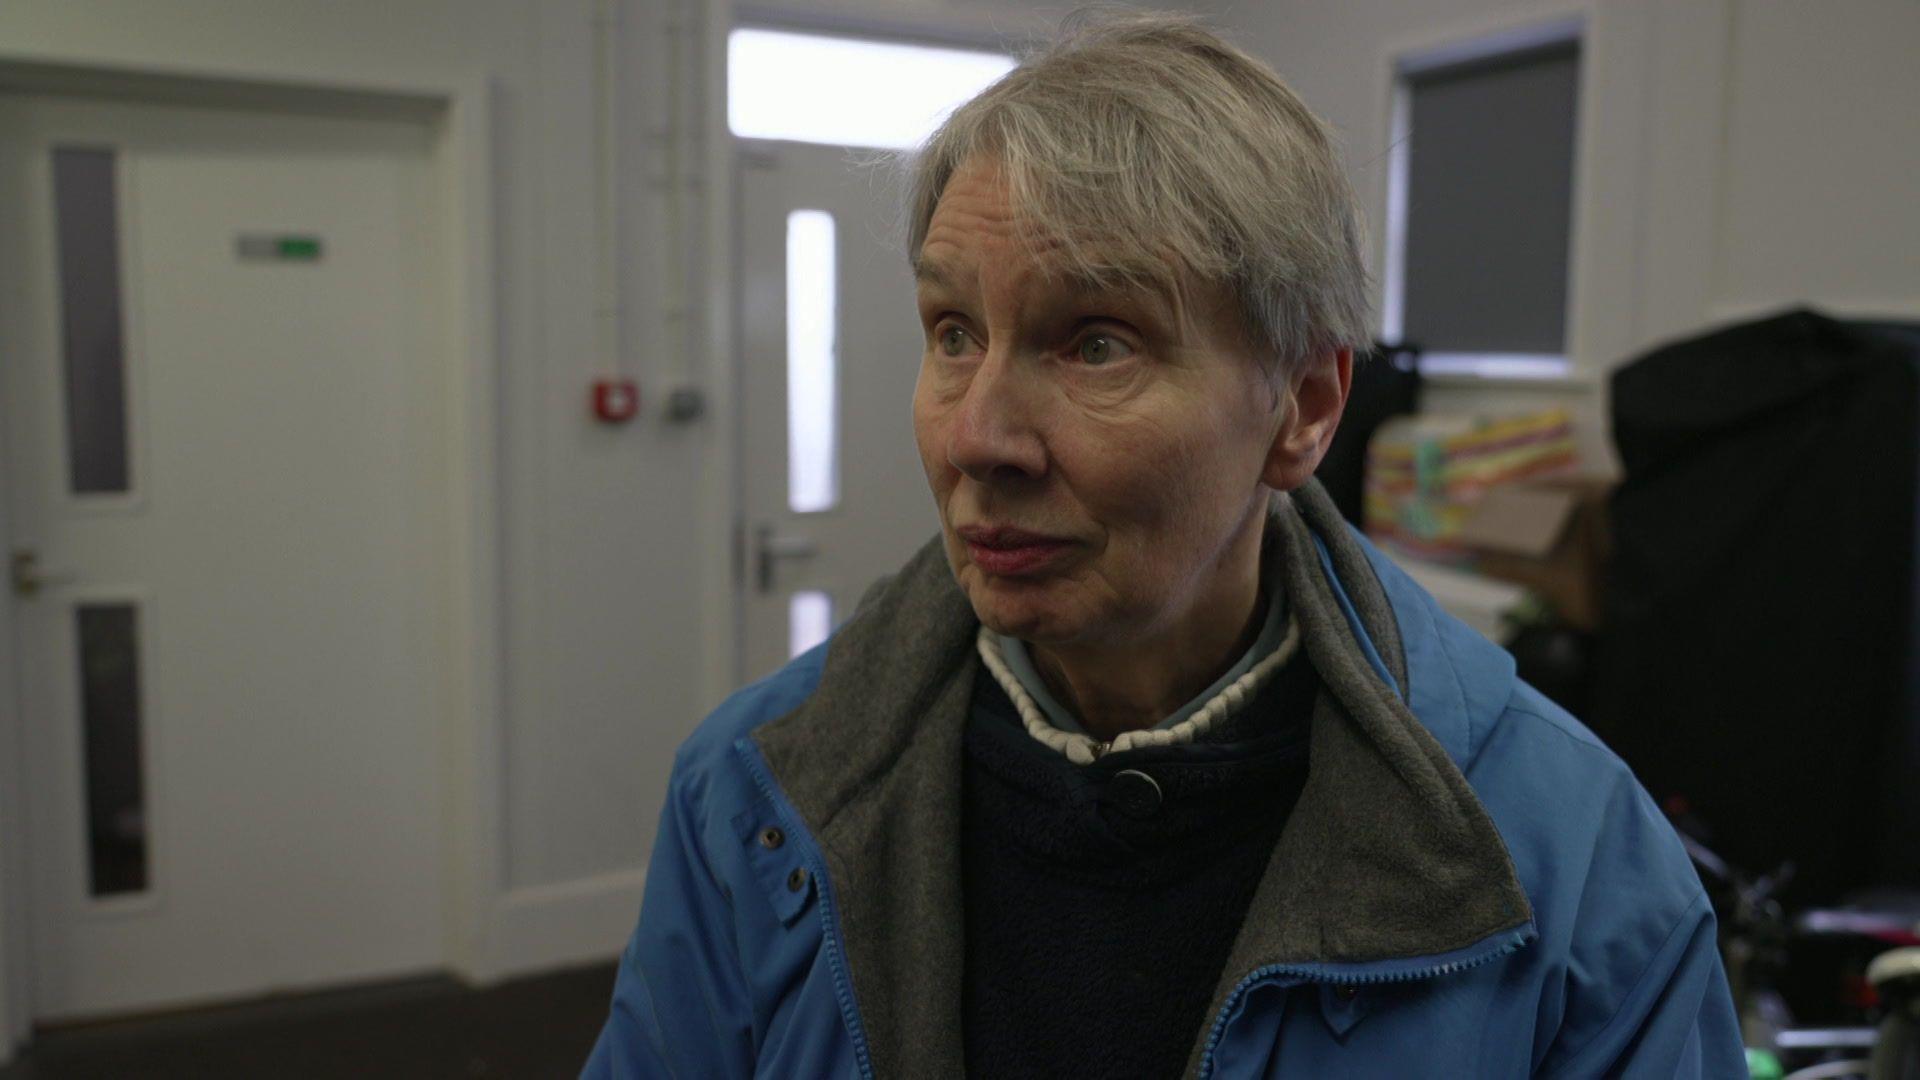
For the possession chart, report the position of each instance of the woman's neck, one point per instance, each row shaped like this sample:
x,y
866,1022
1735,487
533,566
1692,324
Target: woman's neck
x,y
1114,688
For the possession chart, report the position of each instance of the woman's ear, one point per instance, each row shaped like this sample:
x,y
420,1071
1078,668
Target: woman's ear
x,y
1318,397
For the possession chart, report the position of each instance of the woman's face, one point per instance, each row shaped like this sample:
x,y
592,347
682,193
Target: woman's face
x,y
1095,457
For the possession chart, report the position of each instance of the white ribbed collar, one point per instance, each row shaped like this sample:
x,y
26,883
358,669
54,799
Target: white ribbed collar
x,y
1184,726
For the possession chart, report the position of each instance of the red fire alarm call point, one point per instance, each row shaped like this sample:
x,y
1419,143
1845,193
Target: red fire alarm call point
x,y
615,401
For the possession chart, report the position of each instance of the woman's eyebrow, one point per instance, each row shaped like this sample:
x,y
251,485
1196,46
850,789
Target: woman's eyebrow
x,y
928,272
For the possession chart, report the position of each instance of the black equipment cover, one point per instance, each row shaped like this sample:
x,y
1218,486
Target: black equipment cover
x,y
1758,651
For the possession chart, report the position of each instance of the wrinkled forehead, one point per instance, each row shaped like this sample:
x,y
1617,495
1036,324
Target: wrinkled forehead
x,y
1047,274
1067,234
956,271
1066,240
1091,265
1040,291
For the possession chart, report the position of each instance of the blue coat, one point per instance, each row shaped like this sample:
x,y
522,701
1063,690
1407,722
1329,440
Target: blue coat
x,y
741,964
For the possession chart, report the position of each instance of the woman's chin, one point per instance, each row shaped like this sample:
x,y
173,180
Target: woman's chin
x,y
1016,607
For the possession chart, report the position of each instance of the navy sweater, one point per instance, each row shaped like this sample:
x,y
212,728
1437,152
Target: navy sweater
x,y
1101,904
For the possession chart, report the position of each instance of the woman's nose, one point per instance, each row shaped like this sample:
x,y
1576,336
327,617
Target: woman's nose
x,y
994,437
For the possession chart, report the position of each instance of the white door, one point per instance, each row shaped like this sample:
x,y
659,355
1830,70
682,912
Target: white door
x,y
830,342
220,369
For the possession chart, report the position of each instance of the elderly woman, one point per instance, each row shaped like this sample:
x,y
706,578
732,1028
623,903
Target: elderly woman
x,y
1147,765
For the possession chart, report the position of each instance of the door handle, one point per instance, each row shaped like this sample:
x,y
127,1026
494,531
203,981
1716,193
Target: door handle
x,y
28,579
771,547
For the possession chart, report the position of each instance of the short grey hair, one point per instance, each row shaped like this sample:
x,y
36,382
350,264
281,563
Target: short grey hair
x,y
1150,153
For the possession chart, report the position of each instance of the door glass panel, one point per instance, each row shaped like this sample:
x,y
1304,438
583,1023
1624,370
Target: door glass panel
x,y
87,232
809,619
110,723
813,467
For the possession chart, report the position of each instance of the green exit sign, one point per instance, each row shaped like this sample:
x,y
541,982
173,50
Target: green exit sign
x,y
279,247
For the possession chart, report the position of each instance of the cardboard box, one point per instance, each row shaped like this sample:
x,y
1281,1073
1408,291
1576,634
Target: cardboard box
x,y
1548,534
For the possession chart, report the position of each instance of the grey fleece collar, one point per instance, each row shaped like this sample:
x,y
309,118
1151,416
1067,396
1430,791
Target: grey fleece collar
x,y
1388,854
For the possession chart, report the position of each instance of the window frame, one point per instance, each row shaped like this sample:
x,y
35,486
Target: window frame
x,y
1405,65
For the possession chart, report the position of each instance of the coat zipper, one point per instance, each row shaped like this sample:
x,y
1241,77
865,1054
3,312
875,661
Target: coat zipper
x,y
829,926
1516,939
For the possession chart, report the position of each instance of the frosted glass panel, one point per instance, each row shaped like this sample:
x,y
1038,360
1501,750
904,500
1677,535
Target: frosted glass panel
x,y
91,340
846,92
108,639
813,466
810,620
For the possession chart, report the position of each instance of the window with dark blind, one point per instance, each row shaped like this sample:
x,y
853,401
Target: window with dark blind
x,y
1481,213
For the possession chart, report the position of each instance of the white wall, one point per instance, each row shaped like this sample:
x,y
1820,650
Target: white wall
x,y
604,564
1735,155
1821,165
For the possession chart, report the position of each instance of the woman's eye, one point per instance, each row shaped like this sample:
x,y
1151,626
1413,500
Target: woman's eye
x,y
1102,349
953,341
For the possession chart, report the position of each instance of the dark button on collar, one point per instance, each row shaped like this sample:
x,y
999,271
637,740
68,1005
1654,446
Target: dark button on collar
x,y
796,880
771,838
1135,793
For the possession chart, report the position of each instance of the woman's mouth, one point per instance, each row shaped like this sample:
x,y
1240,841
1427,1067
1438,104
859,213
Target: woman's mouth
x,y
1011,552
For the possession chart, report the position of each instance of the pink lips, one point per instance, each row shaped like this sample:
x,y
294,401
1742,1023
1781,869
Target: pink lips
x,y
1009,551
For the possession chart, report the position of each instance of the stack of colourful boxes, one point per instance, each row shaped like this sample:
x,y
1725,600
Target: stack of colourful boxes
x,y
1425,474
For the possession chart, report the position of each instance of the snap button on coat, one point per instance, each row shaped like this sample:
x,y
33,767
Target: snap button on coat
x,y
1135,793
771,838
